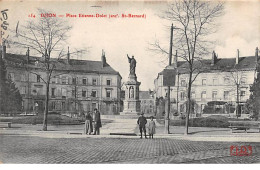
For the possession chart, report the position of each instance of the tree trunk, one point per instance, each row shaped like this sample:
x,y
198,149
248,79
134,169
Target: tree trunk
x,y
237,107
189,106
167,119
44,128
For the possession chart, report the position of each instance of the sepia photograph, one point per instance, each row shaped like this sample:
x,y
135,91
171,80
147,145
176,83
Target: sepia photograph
x,y
130,82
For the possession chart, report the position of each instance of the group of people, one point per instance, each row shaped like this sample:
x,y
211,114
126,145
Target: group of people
x,y
93,123
142,126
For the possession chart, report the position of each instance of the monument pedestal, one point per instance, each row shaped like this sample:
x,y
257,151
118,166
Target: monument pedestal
x,y
132,104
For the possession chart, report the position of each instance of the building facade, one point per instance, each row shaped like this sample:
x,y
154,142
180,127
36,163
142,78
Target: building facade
x,y
223,83
147,102
76,86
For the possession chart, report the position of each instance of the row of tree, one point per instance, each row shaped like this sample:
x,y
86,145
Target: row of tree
x,y
253,103
194,23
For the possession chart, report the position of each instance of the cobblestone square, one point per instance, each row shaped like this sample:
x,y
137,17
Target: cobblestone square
x,y
90,150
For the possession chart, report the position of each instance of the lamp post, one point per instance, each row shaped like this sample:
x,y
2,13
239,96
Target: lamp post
x,y
167,119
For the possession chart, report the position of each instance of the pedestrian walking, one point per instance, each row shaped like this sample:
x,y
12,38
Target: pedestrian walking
x,y
88,128
142,122
151,127
97,122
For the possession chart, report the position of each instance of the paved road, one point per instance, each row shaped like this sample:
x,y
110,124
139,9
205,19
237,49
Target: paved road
x,y
86,149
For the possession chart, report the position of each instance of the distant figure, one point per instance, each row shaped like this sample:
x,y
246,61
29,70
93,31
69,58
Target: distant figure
x,y
151,128
132,62
88,129
36,108
142,122
97,122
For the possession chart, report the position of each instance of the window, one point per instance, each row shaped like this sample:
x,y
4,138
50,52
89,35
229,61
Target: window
x,y
22,77
67,80
37,91
94,81
23,90
183,83
84,81
243,81
74,80
63,93
84,93
203,95
11,76
108,82
226,95
63,80
53,105
108,93
63,105
73,93
226,80
94,93
38,78
94,105
203,82
182,96
53,81
57,80
242,93
52,91
215,81
193,95
214,95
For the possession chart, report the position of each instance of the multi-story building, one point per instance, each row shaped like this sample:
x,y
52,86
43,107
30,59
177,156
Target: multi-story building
x,y
76,86
224,82
147,102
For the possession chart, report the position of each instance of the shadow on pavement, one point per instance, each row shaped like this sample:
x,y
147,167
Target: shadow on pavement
x,y
215,130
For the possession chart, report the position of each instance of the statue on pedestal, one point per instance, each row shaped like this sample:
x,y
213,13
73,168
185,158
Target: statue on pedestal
x,y
132,62
132,104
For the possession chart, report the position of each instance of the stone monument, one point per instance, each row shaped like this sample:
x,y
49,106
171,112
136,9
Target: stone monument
x,y
132,102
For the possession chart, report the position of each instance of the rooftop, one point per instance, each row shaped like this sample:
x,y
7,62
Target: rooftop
x,y
74,65
221,64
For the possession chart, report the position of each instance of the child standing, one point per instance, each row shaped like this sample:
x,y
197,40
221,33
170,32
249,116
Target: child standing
x,y
151,128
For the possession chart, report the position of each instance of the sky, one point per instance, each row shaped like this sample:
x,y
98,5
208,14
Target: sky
x,y
239,28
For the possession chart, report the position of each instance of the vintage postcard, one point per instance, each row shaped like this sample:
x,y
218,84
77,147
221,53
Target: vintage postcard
x,y
130,82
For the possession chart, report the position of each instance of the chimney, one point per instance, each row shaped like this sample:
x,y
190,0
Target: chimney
x,y
256,54
68,56
3,50
237,58
103,59
176,60
28,55
214,58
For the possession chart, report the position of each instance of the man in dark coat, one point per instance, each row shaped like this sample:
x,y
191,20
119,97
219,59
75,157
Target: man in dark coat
x,y
97,122
142,122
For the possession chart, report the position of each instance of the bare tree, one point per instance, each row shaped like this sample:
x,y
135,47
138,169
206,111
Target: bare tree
x,y
47,37
193,22
238,80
